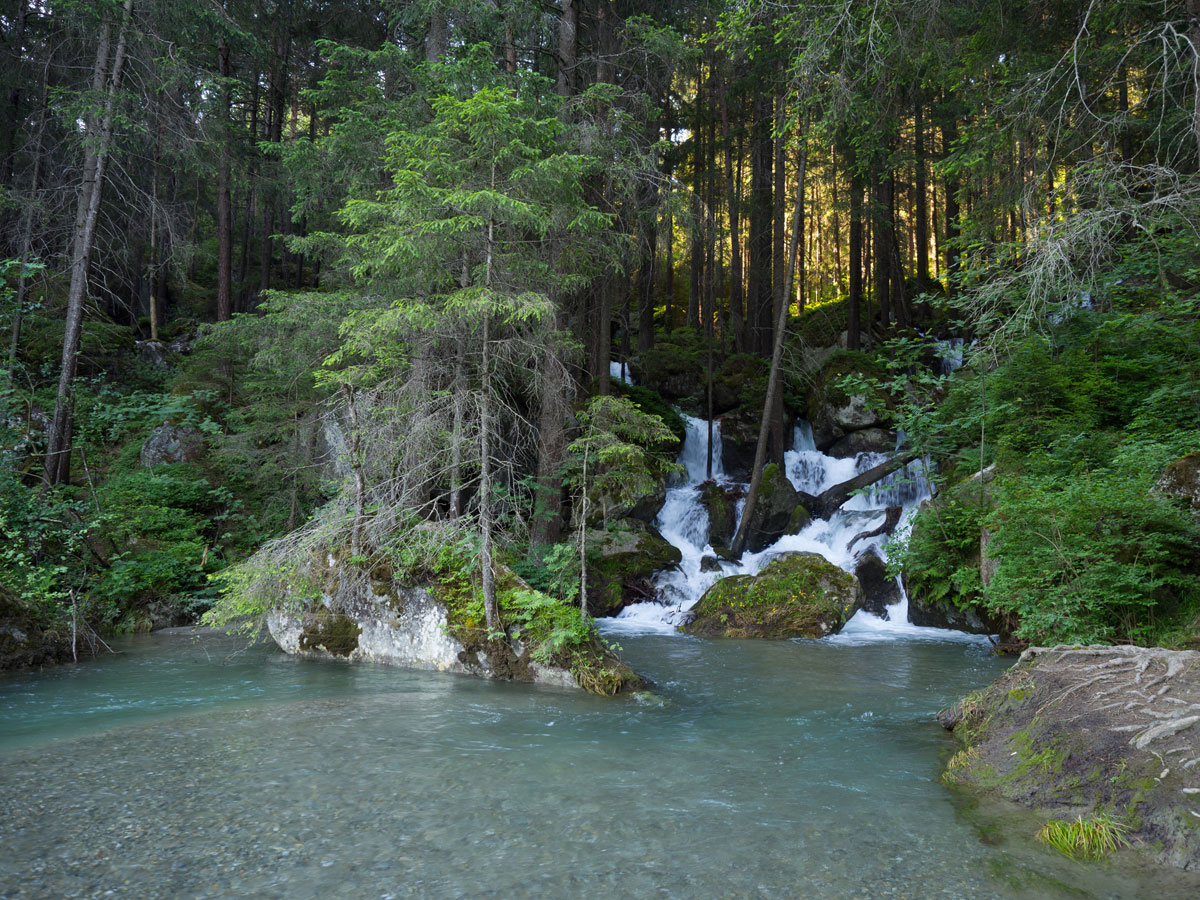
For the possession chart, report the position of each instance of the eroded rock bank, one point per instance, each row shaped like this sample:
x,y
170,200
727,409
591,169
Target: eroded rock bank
x,y
343,611
1111,732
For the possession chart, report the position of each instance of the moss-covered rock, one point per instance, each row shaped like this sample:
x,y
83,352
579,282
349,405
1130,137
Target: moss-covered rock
x,y
869,440
834,413
621,563
1092,731
945,562
435,620
739,440
799,595
333,632
721,501
740,382
27,637
1182,479
880,590
675,370
777,512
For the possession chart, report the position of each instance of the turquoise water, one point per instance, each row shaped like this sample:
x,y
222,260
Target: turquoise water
x,y
185,767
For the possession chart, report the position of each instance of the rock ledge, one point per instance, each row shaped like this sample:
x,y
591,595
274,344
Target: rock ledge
x,y
1093,730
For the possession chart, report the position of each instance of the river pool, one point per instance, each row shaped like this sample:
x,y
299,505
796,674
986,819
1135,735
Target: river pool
x,y
188,766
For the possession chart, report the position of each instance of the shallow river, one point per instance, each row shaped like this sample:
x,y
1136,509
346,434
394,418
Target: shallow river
x,y
182,768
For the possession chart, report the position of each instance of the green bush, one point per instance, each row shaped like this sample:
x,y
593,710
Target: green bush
x,y
1094,558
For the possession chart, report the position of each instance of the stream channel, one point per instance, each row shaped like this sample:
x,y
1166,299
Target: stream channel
x,y
190,765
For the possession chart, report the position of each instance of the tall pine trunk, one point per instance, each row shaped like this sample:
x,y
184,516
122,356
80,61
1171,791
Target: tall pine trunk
x,y
774,378
106,78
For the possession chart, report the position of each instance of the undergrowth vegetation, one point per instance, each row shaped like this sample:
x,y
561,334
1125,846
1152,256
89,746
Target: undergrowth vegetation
x,y
1079,417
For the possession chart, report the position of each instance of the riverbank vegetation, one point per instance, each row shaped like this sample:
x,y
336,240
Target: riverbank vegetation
x,y
297,274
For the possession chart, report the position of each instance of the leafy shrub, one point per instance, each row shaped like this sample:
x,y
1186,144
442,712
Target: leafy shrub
x,y
1091,558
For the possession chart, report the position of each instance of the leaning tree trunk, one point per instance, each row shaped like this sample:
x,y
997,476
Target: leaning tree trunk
x,y
58,450
773,379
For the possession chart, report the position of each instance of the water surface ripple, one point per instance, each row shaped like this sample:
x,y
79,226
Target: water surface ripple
x,y
774,770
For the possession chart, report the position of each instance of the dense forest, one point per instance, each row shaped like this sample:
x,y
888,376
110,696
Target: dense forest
x,y
350,279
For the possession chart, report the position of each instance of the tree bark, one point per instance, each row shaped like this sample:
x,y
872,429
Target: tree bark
x,y
568,26
855,259
436,38
759,301
773,378
950,226
108,80
736,301
26,249
921,216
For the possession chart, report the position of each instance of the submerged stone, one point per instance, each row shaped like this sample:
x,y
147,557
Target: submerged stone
x,y
797,595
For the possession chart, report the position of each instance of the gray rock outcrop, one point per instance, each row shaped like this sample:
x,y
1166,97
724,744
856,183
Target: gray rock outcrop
x,y
1085,731
172,444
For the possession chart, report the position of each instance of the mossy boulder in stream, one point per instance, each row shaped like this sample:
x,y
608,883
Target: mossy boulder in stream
x,y
721,501
435,620
621,563
798,595
1092,733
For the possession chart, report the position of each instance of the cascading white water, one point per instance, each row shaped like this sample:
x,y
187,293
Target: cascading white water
x,y
619,371
683,521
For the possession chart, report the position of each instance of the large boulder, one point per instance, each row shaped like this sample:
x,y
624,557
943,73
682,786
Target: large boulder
x,y
833,412
944,613
880,590
797,595
739,440
339,610
721,501
674,372
777,512
172,444
25,640
1182,479
936,596
621,563
869,440
1092,732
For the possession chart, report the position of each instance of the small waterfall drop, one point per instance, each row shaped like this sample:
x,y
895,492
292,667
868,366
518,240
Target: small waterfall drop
x,y
683,522
619,371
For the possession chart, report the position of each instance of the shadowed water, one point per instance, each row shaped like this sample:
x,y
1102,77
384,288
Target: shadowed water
x,y
774,769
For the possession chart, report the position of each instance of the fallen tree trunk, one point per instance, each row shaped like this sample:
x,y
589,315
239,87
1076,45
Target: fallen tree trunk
x,y
890,521
825,504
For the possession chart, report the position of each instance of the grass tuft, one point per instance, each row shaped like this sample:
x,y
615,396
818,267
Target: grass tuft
x,y
1092,838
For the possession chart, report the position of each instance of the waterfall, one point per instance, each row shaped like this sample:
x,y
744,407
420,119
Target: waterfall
x,y
683,521
619,371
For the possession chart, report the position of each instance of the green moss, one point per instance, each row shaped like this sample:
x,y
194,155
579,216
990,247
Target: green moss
x,y
332,632
551,633
797,596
